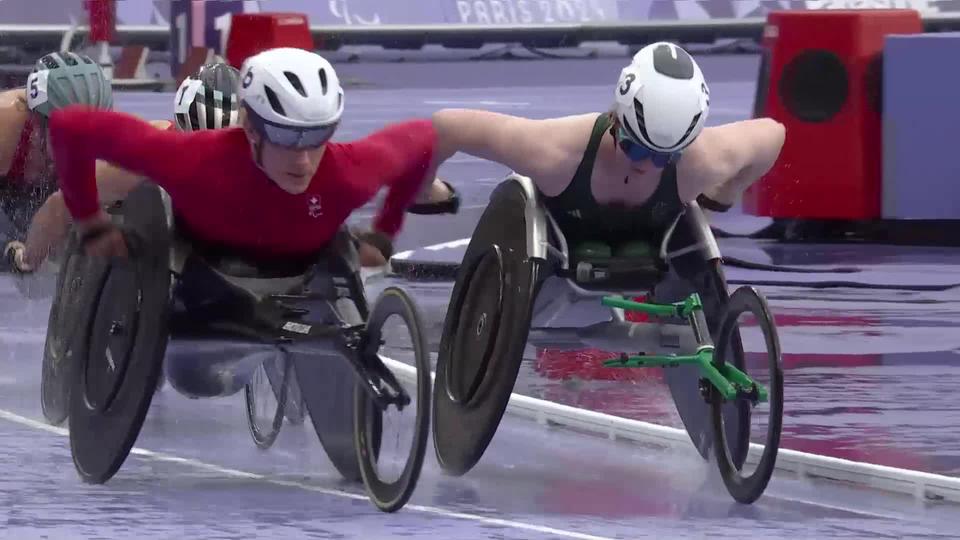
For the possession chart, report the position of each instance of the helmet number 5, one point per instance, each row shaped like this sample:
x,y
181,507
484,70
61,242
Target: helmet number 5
x,y
34,89
627,81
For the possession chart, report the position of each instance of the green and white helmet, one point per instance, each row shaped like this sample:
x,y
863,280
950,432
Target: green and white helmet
x,y
65,78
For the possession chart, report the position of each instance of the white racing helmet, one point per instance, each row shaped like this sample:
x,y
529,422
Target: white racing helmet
x,y
292,97
662,98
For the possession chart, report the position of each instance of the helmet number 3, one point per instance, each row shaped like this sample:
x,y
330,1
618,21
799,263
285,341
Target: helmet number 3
x,y
627,81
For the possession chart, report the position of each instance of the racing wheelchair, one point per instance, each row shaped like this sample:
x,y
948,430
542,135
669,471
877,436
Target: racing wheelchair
x,y
519,276
210,318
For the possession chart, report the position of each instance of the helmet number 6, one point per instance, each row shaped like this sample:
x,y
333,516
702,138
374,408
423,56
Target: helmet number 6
x,y
627,81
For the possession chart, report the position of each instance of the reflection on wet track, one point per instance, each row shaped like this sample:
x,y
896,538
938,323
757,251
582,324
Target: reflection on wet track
x,y
870,375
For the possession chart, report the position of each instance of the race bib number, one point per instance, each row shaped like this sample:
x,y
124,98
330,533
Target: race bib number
x,y
37,88
188,91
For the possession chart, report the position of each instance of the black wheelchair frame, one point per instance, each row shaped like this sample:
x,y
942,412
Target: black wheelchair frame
x,y
688,262
277,320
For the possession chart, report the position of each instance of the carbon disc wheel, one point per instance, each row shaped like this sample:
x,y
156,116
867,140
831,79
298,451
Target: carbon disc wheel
x,y
56,370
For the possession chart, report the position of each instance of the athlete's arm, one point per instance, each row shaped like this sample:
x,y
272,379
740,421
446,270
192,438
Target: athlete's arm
x,y
48,228
401,157
740,153
13,116
51,223
528,147
113,182
81,135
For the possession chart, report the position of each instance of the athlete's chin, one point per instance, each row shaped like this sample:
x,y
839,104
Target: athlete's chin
x,y
294,184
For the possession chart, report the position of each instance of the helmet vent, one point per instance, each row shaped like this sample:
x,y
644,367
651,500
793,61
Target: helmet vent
x,y
638,107
323,80
675,67
641,121
295,81
274,101
633,134
50,62
693,124
70,59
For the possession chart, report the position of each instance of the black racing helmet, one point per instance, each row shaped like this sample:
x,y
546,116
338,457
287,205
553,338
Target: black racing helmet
x,y
65,78
208,98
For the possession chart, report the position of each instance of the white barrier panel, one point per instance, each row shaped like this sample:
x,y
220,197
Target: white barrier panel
x,y
920,485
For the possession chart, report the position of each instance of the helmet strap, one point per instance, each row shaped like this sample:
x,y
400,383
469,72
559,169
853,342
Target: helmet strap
x,y
258,152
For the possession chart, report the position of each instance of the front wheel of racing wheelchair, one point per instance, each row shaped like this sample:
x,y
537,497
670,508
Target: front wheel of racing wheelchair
x,y
509,281
131,315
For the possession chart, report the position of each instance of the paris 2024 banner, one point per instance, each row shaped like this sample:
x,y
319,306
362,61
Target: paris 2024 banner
x,y
199,23
383,12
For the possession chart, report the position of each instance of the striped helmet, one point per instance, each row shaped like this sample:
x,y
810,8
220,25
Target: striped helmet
x,y
208,99
66,78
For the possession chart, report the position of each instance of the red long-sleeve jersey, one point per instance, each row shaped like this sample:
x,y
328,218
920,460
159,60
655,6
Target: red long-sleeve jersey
x,y
223,197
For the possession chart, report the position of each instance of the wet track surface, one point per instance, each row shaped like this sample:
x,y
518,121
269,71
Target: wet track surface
x,y
871,376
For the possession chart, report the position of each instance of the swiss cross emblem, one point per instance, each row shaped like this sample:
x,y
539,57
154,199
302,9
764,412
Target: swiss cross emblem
x,y
313,207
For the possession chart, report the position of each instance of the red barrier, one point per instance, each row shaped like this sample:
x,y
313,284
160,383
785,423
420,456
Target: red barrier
x,y
824,85
252,33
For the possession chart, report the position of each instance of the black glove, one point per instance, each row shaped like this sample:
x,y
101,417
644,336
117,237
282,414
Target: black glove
x,y
449,206
378,240
710,204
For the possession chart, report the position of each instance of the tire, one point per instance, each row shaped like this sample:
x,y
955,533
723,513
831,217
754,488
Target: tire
x,y
386,495
276,377
747,489
706,279
56,375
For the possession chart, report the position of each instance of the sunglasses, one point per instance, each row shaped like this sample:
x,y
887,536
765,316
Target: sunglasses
x,y
637,152
293,138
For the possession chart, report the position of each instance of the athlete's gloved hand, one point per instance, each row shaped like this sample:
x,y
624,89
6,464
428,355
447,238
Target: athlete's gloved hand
x,y
100,237
375,248
450,205
13,252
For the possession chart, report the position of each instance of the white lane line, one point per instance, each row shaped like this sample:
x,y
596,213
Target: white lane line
x,y
164,457
448,245
433,247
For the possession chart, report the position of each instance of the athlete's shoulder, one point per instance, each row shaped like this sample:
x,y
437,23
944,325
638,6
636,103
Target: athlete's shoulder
x,y
221,148
413,128
231,136
397,135
13,98
13,117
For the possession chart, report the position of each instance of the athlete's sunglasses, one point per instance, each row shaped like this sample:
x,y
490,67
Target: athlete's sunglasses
x,y
637,152
291,137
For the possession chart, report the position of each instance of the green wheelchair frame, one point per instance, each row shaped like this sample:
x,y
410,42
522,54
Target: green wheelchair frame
x,y
720,381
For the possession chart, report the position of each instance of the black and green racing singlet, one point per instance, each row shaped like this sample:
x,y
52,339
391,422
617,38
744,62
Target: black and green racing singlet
x,y
582,218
